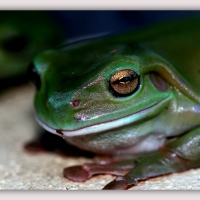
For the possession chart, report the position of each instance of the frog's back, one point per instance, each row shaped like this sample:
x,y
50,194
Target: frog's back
x,y
179,43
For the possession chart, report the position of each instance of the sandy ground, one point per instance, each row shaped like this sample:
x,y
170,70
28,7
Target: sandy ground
x,y
20,170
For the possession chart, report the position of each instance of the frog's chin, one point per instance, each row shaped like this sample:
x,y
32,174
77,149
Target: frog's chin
x,y
146,113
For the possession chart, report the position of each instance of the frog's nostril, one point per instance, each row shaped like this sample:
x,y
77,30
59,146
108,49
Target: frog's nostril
x,y
75,103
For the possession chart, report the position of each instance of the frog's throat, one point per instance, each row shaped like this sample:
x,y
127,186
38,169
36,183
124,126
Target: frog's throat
x,y
146,113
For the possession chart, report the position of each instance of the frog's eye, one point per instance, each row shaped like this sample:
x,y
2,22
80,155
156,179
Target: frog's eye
x,y
33,76
124,82
15,43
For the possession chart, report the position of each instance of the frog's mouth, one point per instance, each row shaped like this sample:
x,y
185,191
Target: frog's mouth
x,y
146,113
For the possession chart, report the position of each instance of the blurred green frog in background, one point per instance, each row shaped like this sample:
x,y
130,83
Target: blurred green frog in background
x,y
23,34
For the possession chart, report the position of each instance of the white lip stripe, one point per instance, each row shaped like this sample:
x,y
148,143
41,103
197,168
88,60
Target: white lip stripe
x,y
47,128
106,125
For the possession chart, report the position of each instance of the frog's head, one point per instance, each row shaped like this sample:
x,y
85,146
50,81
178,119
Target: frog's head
x,y
116,92
86,89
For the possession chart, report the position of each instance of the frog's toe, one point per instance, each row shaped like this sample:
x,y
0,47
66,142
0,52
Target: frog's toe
x,y
76,173
120,183
86,171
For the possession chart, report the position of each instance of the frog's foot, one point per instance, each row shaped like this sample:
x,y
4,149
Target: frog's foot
x,y
47,142
178,155
130,172
120,183
148,166
86,171
37,145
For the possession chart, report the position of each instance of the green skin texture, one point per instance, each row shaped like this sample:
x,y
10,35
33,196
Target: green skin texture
x,y
40,32
159,130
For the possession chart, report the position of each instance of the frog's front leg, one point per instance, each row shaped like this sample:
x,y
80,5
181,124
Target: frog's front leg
x,y
86,171
179,155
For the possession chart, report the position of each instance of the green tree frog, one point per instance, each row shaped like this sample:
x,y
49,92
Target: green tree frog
x,y
133,98
23,34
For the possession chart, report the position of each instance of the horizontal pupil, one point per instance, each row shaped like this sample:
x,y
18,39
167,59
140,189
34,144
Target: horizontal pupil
x,y
125,79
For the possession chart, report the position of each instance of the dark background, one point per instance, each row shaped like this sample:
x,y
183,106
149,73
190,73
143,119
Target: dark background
x,y
88,22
